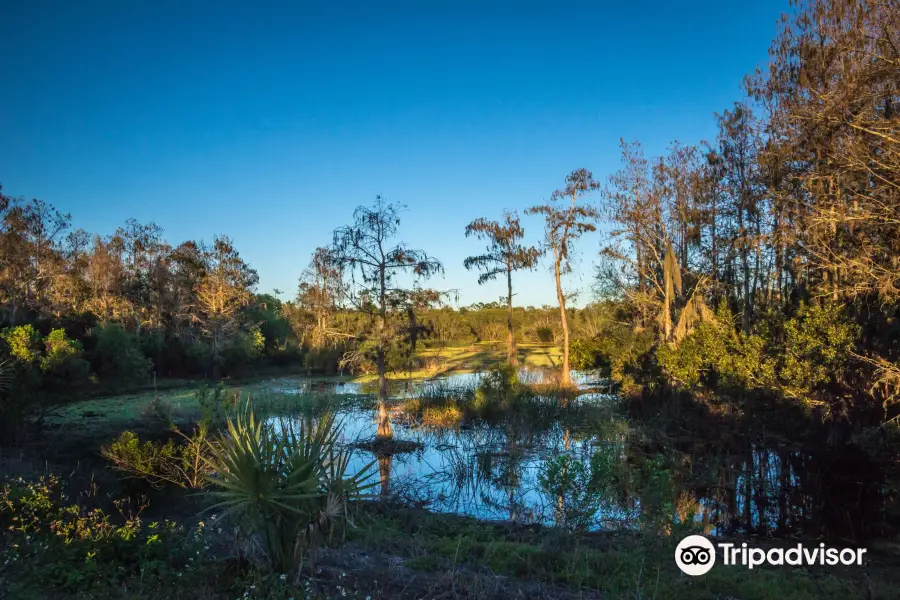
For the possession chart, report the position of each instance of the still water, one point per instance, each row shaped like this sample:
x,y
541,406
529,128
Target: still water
x,y
590,465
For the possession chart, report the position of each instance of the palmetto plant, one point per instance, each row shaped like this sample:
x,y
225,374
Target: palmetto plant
x,y
285,486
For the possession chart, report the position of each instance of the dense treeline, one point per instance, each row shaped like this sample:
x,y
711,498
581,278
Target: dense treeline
x,y
130,305
767,260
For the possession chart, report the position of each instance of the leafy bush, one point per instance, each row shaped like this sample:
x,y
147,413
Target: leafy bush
x,y
23,343
499,389
244,349
63,547
216,404
619,353
62,358
286,486
800,357
198,357
817,343
118,356
19,402
183,464
567,482
325,360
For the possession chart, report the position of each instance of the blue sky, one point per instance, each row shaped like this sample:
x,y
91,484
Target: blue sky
x,y
270,122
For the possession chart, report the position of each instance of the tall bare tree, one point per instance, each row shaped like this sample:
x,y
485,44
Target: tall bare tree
x,y
504,256
564,223
221,294
319,292
374,263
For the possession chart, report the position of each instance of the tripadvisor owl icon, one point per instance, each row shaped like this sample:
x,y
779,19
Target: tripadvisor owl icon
x,y
695,555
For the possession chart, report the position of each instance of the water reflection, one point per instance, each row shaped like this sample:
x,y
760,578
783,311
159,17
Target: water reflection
x,y
592,467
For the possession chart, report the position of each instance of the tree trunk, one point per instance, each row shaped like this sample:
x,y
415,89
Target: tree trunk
x,y
385,430
565,379
384,471
512,356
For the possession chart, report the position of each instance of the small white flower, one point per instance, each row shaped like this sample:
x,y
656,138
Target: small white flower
x,y
282,577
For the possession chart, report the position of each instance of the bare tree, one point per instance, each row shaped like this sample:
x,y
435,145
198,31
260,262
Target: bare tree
x,y
373,262
563,224
504,255
319,292
221,294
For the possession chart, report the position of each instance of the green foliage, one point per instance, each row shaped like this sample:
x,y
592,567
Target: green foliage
x,y
184,463
23,343
498,390
817,343
56,545
801,357
274,327
285,485
63,358
567,483
244,349
326,360
216,404
20,402
117,355
14,408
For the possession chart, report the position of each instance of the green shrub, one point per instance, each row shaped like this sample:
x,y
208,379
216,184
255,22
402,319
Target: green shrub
x,y
184,464
62,358
618,352
198,356
51,545
325,360
498,390
118,356
20,402
23,342
244,349
799,357
567,483
216,404
817,343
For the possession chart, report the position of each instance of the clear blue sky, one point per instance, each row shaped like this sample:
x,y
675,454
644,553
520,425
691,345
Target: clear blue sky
x,y
270,122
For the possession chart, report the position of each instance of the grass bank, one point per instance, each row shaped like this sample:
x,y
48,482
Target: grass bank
x,y
438,361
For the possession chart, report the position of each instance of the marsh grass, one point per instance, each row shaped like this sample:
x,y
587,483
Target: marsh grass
x,y
498,397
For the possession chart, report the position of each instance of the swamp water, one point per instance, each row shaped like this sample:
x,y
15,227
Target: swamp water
x,y
585,464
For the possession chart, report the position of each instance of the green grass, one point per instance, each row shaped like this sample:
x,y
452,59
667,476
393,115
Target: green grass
x,y
125,410
617,565
482,356
181,394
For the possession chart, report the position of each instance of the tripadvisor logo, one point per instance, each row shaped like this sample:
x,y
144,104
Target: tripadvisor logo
x,y
696,555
